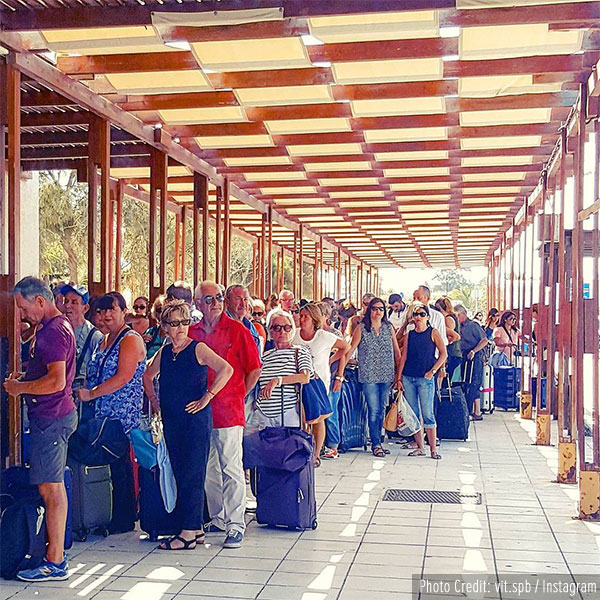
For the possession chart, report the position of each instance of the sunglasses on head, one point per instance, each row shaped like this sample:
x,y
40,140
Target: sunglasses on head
x,y
211,299
420,314
286,328
184,322
139,307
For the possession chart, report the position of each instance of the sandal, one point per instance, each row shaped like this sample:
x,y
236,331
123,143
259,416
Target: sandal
x,y
436,456
200,539
378,452
187,544
417,452
386,451
317,462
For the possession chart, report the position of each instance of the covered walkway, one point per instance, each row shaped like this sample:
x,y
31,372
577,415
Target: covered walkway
x,y
366,546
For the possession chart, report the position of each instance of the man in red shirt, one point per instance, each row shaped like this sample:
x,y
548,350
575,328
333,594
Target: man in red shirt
x,y
225,481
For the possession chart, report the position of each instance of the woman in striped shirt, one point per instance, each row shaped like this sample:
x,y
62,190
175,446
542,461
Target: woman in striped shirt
x,y
284,367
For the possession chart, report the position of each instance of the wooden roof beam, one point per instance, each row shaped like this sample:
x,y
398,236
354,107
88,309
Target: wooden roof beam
x,y
105,16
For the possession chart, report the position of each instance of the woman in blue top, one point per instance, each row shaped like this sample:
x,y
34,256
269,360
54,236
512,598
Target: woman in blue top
x,y
418,366
114,381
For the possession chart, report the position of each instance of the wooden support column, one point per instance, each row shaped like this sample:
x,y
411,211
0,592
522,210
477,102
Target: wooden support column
x,y
270,286
338,287
98,177
158,203
300,261
295,266
316,274
321,272
226,231
10,122
542,414
183,243
261,258
219,237
200,210
177,249
567,448
348,279
119,196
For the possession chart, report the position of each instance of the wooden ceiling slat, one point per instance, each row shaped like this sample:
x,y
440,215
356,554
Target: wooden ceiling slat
x,y
45,98
55,119
244,31
299,111
408,89
188,100
514,66
215,129
384,50
319,138
517,101
279,77
126,63
406,121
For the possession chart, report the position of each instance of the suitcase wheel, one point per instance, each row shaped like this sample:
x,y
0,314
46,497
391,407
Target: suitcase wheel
x,y
82,534
491,411
153,536
365,449
103,531
314,524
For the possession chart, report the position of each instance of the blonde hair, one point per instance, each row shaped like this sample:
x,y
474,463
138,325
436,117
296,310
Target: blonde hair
x,y
173,306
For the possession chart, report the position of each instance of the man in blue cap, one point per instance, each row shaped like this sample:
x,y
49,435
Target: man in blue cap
x,y
87,338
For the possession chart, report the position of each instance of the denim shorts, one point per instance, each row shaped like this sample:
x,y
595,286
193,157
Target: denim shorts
x,y
49,444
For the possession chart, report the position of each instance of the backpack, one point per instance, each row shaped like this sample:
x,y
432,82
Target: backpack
x,y
22,536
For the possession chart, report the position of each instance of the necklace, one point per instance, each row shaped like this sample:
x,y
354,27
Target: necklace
x,y
176,354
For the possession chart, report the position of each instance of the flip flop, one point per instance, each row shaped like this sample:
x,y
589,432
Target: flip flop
x,y
378,452
436,456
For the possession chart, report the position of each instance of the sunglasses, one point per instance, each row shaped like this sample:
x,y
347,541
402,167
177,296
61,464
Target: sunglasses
x,y
420,314
295,312
212,299
184,322
139,307
378,308
258,314
286,328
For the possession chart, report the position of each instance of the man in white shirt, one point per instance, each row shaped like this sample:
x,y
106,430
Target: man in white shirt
x,y
396,310
436,318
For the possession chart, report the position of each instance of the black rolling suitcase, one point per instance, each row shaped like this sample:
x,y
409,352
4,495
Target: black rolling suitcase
x,y
154,519
92,500
452,414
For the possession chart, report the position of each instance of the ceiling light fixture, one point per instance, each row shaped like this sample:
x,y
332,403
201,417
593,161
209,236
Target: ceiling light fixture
x,y
449,32
179,44
311,40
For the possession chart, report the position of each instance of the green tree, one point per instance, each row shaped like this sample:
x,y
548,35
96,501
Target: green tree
x,y
448,280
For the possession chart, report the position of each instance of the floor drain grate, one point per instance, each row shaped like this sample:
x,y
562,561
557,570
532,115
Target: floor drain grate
x,y
432,496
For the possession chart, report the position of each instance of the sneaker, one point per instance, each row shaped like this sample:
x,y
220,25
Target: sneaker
x,y
47,571
234,539
330,453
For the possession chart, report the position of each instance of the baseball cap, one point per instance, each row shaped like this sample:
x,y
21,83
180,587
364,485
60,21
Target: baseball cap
x,y
76,289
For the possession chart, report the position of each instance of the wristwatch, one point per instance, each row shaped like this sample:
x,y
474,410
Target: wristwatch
x,y
339,378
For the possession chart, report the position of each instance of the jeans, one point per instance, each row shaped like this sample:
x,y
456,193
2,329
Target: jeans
x,y
376,397
333,422
419,393
225,480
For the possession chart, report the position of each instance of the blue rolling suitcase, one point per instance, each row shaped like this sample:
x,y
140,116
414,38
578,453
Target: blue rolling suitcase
x,y
534,381
154,519
352,412
507,383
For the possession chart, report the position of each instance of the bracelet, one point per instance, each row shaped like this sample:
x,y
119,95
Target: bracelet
x,y
339,378
211,393
280,381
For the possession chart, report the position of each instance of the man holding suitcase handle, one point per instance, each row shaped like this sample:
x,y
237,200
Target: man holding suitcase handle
x,y
46,386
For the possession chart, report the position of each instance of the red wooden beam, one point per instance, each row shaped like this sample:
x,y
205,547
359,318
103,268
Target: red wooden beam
x,y
408,89
281,77
187,100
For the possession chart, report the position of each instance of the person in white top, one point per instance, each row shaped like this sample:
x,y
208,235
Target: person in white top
x,y
321,344
286,301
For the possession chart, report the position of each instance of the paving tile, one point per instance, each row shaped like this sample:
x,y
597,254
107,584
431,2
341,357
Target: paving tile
x,y
283,592
233,575
221,589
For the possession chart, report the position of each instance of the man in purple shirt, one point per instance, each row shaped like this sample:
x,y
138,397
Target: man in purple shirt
x,y
46,387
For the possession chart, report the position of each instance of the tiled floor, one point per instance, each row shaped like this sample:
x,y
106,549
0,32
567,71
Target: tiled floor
x,y
365,547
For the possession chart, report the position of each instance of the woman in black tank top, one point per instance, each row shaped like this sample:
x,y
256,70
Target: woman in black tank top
x,y
187,417
418,366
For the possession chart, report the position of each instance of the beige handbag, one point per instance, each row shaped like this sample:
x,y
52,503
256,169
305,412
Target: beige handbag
x,y
391,419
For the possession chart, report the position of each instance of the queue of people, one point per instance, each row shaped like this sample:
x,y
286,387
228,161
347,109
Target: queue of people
x,y
213,361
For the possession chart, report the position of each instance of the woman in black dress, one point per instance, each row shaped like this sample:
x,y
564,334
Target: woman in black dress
x,y
184,397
